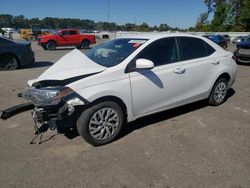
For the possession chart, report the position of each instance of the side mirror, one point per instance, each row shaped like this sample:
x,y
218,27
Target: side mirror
x,y
144,64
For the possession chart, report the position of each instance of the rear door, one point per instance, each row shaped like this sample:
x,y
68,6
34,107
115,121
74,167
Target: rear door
x,y
201,67
161,87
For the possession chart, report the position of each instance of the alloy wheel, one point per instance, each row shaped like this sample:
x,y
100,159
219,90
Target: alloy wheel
x,y
220,92
104,124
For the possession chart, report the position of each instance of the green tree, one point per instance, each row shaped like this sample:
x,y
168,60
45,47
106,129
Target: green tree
x,y
244,17
6,20
143,27
219,22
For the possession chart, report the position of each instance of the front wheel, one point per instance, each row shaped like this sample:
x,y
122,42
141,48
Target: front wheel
x,y
51,45
8,62
219,92
101,123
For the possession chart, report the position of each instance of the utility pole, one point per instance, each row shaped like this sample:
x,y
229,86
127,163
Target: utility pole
x,y
135,22
108,10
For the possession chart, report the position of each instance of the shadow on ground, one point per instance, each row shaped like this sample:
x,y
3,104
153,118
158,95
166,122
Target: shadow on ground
x,y
243,64
39,64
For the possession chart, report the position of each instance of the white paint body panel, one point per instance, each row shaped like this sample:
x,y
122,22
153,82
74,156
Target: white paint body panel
x,y
146,91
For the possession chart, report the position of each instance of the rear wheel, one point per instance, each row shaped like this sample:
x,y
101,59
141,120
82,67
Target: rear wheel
x,y
219,92
51,45
85,44
101,123
8,62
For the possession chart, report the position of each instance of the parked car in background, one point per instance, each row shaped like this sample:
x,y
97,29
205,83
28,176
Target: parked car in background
x,y
15,54
66,37
127,78
246,39
242,52
238,39
227,37
218,39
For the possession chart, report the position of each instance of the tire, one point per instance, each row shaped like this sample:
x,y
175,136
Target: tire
x,y
51,45
219,92
8,62
98,128
85,44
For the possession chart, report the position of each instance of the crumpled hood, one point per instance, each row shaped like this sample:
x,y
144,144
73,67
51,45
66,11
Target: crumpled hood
x,y
73,64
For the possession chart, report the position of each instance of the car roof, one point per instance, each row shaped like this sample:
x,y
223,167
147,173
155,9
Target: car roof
x,y
154,36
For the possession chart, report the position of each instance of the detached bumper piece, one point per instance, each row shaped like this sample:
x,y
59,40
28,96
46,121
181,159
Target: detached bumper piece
x,y
5,114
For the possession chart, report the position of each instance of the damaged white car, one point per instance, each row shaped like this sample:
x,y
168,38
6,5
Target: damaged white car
x,y
128,78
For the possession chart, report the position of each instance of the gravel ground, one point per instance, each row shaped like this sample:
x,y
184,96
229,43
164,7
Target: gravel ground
x,y
192,146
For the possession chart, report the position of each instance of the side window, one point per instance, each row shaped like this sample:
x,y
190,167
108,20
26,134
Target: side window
x,y
161,52
72,32
65,32
210,49
192,48
247,39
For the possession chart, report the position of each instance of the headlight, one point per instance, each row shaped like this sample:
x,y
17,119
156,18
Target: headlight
x,y
47,96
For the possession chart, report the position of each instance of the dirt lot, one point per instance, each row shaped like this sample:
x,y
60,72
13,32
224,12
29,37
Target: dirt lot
x,y
192,146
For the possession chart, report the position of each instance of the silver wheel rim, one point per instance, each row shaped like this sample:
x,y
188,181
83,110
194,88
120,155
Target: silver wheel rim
x,y
220,92
104,124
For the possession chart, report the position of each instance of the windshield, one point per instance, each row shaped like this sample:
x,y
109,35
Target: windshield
x,y
113,52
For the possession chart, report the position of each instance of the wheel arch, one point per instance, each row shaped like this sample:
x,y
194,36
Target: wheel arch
x,y
85,40
52,40
113,99
224,75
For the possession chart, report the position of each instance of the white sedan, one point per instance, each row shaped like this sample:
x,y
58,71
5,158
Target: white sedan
x,y
127,78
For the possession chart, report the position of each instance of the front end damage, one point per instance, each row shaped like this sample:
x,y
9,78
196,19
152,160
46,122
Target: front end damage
x,y
53,104
53,107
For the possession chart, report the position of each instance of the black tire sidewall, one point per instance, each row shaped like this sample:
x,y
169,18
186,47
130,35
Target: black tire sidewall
x,y
51,43
85,44
83,122
14,61
212,101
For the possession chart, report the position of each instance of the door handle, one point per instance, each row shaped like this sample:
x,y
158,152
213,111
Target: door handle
x,y
216,62
179,70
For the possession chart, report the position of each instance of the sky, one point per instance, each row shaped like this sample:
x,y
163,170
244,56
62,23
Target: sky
x,y
176,13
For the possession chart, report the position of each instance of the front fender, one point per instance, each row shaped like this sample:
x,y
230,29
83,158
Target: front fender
x,y
119,89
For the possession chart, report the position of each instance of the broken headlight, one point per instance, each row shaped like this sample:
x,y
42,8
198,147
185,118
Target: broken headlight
x,y
47,96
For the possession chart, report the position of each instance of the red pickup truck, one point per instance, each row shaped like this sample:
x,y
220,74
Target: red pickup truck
x,y
66,37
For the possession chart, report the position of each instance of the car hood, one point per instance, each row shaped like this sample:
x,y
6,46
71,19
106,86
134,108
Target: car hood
x,y
243,45
72,65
